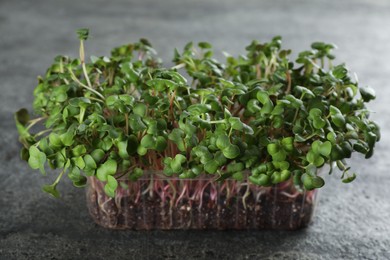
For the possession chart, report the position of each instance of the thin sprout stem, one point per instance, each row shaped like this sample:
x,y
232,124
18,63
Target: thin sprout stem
x,y
62,71
179,66
82,58
43,132
34,121
222,121
127,124
60,176
85,86
288,82
96,99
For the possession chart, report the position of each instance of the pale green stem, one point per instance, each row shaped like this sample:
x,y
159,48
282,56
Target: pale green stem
x,y
83,85
82,58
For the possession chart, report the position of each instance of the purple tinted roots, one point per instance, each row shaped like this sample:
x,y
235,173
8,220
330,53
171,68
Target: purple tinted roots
x,y
169,203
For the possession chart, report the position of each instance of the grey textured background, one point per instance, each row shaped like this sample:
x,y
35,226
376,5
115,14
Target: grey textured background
x,y
352,221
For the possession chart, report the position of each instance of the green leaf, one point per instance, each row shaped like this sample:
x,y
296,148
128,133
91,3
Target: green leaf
x,y
203,153
176,163
285,175
307,181
338,120
21,119
132,144
129,72
112,182
367,94
331,136
97,155
140,109
60,158
231,151
235,167
51,189
176,77
83,33
273,148
198,109
236,124
161,84
55,141
75,176
205,45
223,141
239,176
319,161
79,150
82,182
152,128
136,123
336,116
109,191
337,153
339,71
148,141
79,162
310,180
278,110
305,91
315,115
350,178
288,143
325,148
253,106
211,167
67,138
279,156
141,150
296,103
311,156
161,144
282,165
177,137
262,179
263,97
122,149
318,182
219,158
188,128
22,116
347,149
135,174
37,159
60,93
111,101
311,170
108,168
126,99
24,154
361,147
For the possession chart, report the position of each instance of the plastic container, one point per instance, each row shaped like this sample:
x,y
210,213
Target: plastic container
x,y
160,202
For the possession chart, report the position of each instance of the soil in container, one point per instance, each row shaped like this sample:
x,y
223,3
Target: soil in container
x,y
169,203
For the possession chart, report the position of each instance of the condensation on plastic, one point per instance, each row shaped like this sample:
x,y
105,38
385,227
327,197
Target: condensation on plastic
x,y
160,202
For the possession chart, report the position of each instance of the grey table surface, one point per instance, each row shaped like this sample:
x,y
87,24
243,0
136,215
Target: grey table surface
x,y
352,221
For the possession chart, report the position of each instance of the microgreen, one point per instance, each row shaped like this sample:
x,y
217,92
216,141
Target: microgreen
x,y
259,114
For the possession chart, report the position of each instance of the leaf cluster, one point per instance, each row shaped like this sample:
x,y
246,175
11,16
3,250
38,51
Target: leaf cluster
x,y
259,114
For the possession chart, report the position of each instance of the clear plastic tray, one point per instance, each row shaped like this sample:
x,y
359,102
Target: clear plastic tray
x,y
160,202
